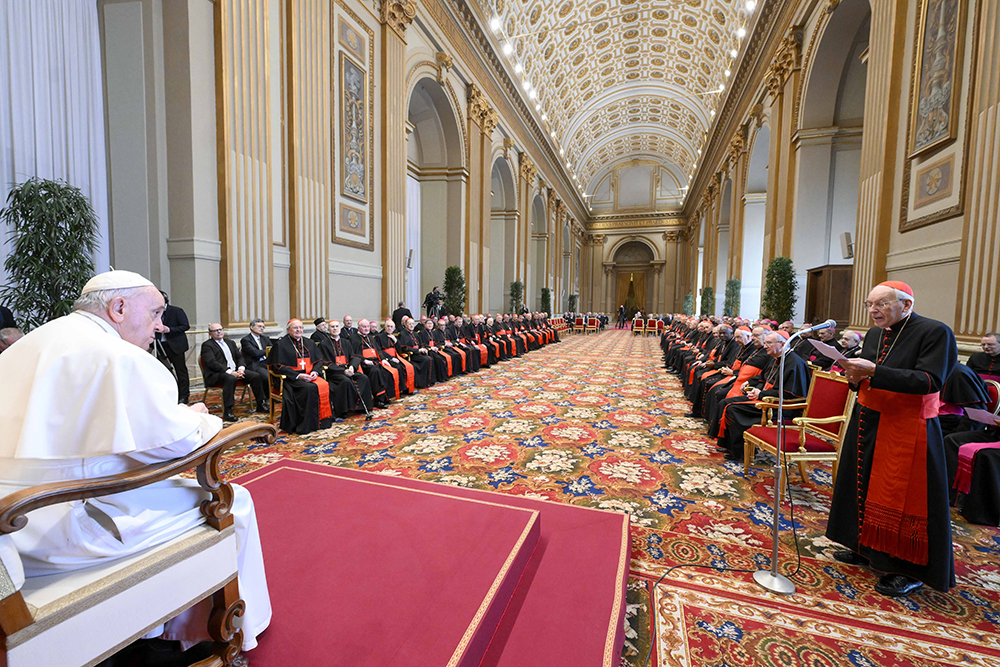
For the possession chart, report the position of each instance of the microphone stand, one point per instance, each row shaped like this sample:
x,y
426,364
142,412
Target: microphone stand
x,y
770,579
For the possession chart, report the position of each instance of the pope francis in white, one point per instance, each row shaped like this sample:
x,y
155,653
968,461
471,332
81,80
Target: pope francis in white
x,y
82,398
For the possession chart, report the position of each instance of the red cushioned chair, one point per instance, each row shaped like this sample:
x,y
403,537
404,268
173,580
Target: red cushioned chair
x,y
659,327
592,325
638,328
578,326
815,436
993,390
651,328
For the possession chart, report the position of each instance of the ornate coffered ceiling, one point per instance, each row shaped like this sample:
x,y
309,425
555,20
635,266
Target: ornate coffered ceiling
x,y
611,80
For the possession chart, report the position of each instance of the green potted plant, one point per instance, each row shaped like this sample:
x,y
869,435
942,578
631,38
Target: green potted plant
x,y
573,298
454,291
688,307
778,301
546,300
731,306
52,243
708,301
516,294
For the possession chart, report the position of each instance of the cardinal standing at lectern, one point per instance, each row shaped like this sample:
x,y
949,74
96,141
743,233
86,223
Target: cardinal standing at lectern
x,y
82,399
890,501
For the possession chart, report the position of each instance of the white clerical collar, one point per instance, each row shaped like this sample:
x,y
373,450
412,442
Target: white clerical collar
x,y
104,324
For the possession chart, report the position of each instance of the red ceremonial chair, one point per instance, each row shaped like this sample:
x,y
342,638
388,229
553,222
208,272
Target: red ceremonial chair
x,y
275,388
578,325
204,398
638,328
659,327
651,326
993,391
592,325
815,436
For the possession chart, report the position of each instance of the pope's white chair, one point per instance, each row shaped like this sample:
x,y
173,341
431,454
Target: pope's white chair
x,y
79,618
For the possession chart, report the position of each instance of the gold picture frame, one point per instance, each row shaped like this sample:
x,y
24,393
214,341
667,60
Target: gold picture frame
x,y
934,103
353,221
351,40
354,146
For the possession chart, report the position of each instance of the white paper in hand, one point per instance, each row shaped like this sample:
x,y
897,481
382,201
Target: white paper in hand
x,y
981,416
828,351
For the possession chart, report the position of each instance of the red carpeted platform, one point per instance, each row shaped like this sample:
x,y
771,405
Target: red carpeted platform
x,y
351,584
363,573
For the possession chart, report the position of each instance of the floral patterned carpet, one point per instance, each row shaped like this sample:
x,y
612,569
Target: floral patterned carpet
x,y
596,421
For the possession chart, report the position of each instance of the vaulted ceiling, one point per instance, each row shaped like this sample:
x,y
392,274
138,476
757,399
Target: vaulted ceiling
x,y
615,80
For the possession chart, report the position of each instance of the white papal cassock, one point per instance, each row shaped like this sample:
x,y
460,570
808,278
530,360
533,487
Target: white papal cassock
x,y
79,402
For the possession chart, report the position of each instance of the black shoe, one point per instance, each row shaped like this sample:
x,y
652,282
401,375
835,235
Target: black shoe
x,y
263,407
849,557
691,415
897,585
733,457
229,417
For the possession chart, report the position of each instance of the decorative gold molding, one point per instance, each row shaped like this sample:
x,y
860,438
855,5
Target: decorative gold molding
x,y
477,103
673,235
527,169
490,121
444,65
398,15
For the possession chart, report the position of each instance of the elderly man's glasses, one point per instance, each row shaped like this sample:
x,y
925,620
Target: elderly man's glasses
x,y
214,330
880,304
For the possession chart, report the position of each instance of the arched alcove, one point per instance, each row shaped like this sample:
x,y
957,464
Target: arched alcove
x,y
633,269
829,162
754,203
435,191
540,251
503,234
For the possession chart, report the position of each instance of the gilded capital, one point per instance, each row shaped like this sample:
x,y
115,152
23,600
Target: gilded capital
x,y
528,169
673,236
444,64
477,103
490,120
398,15
735,148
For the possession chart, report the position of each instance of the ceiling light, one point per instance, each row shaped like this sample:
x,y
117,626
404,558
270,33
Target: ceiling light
x,y
518,69
532,94
560,150
568,165
713,113
495,22
751,5
734,53
508,48
552,134
526,85
699,151
538,107
722,87
544,117
741,33
728,73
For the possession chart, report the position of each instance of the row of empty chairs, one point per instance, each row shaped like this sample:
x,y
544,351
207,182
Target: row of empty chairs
x,y
650,327
586,325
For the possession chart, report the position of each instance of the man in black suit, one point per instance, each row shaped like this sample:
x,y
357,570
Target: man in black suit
x,y
171,343
398,315
223,366
350,332
254,346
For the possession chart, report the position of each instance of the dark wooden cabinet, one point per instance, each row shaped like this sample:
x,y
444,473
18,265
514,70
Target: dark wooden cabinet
x,y
828,294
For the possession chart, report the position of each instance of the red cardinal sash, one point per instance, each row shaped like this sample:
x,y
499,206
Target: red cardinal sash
x,y
325,411
894,515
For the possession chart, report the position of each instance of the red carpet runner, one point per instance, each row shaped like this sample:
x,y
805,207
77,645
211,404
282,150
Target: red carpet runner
x,y
365,569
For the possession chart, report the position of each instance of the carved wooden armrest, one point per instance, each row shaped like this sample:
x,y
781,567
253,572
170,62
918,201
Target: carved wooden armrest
x,y
805,421
14,507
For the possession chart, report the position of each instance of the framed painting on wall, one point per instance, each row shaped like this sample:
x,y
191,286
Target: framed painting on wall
x,y
937,74
353,130
351,40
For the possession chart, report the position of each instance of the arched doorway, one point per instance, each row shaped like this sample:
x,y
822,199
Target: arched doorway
x,y
754,203
540,248
435,190
633,262
503,235
829,164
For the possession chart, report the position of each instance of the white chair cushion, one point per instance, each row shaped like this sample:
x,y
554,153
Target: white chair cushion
x,y
83,616
12,572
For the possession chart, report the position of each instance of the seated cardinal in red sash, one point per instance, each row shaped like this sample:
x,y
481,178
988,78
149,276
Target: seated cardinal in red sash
x,y
890,500
305,402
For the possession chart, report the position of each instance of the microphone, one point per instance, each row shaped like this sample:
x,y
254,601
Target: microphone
x,y
829,324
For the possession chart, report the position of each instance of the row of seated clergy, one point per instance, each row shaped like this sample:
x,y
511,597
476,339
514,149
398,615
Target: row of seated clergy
x,y
330,374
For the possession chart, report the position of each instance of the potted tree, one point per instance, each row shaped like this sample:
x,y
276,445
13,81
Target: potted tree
x,y
731,305
53,240
778,302
546,300
516,294
708,301
454,291
688,307
573,298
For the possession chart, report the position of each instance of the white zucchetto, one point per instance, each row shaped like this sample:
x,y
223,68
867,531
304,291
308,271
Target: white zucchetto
x,y
115,280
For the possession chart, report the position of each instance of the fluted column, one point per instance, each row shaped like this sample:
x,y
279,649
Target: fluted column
x,y
737,169
396,16
782,84
527,172
978,308
884,97
483,120
673,268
